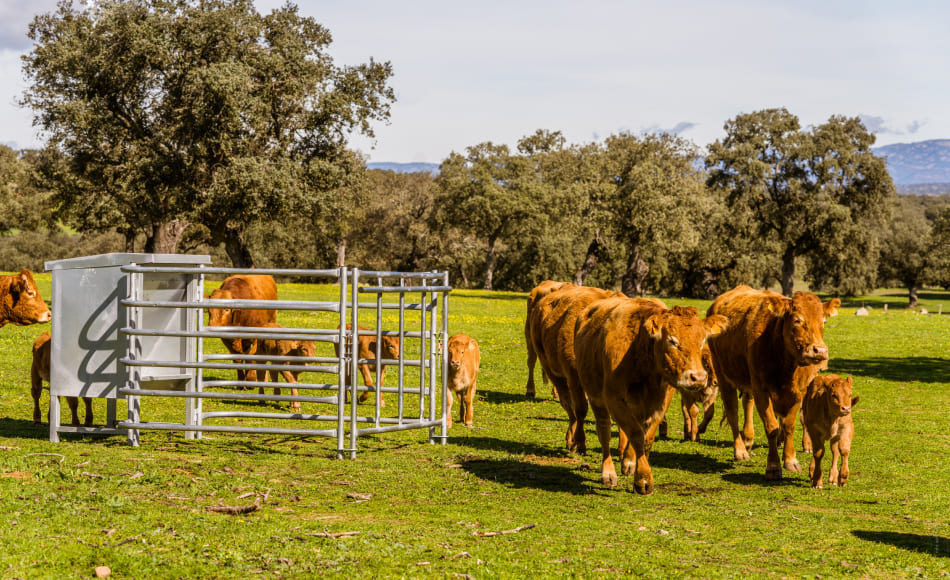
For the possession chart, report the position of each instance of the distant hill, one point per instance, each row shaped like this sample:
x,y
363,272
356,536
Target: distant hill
x,y
432,168
923,162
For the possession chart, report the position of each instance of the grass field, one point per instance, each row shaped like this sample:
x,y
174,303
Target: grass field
x,y
405,508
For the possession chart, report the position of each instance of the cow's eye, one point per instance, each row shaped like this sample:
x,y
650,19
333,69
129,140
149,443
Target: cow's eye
x,y
673,342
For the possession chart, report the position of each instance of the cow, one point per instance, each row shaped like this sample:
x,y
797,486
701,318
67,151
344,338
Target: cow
x,y
826,415
39,372
366,349
20,301
773,348
464,361
284,347
630,352
540,291
551,330
705,398
243,287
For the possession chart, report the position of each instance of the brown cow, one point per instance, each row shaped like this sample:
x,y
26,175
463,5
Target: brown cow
x,y
464,361
20,301
243,287
39,372
705,397
773,348
629,353
284,347
826,415
551,325
366,346
540,291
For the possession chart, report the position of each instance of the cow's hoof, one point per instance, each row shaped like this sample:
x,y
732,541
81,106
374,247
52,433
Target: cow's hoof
x,y
644,487
609,480
628,468
793,465
773,472
529,393
742,456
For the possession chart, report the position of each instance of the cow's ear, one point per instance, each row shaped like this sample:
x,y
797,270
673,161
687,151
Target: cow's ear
x,y
715,324
472,345
654,326
850,382
854,401
831,307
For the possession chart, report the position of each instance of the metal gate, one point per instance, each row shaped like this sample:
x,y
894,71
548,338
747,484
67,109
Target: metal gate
x,y
421,302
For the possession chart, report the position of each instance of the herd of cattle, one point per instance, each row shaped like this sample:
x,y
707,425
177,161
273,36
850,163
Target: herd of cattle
x,y
626,357
622,357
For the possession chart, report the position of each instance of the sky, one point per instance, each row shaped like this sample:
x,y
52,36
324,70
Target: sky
x,y
498,70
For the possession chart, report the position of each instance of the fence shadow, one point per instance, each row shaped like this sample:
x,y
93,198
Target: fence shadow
x,y
914,368
513,447
933,545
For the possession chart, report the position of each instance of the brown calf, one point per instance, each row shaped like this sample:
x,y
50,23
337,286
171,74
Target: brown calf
x,y
826,415
692,400
20,301
39,372
464,360
284,347
367,347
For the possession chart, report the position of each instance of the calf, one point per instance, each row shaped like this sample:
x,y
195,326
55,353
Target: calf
x,y
284,347
366,349
20,301
692,400
464,360
826,415
39,372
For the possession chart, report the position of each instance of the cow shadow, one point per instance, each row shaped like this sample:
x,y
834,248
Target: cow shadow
x,y
914,368
500,397
507,446
525,474
757,478
923,544
691,462
25,429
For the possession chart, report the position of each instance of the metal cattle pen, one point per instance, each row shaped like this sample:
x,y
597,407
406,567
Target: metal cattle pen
x,y
340,394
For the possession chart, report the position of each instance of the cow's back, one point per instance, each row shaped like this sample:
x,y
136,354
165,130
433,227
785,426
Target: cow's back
x,y
251,287
552,326
751,325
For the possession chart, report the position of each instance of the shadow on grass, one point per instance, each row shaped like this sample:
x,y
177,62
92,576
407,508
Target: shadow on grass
x,y
513,447
690,462
25,429
524,474
914,368
789,479
499,397
933,545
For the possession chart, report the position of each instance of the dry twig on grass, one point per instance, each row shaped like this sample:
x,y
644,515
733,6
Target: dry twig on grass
x,y
62,458
235,509
333,535
503,532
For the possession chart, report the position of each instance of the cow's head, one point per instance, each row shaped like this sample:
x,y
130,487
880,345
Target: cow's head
x,y
803,327
24,304
220,316
679,337
459,347
838,396
390,348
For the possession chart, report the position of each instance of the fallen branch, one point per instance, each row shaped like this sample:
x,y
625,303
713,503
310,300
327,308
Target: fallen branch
x,y
334,535
62,458
503,532
116,545
5,448
235,509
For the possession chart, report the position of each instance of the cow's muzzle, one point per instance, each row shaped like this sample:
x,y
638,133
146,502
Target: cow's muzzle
x,y
693,380
814,354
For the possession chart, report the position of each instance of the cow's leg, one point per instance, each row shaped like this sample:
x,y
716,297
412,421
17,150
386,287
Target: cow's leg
x,y
840,447
88,403
773,469
608,475
818,453
529,390
789,461
36,390
73,403
637,443
566,401
575,394
469,406
748,425
690,419
291,379
730,408
449,402
367,381
806,438
709,411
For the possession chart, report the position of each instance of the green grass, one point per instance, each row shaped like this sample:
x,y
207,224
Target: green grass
x,y
417,507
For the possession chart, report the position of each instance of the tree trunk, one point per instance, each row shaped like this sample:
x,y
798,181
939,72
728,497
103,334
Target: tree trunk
x,y
236,248
711,283
165,236
129,234
594,251
788,272
912,294
341,252
489,263
636,274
